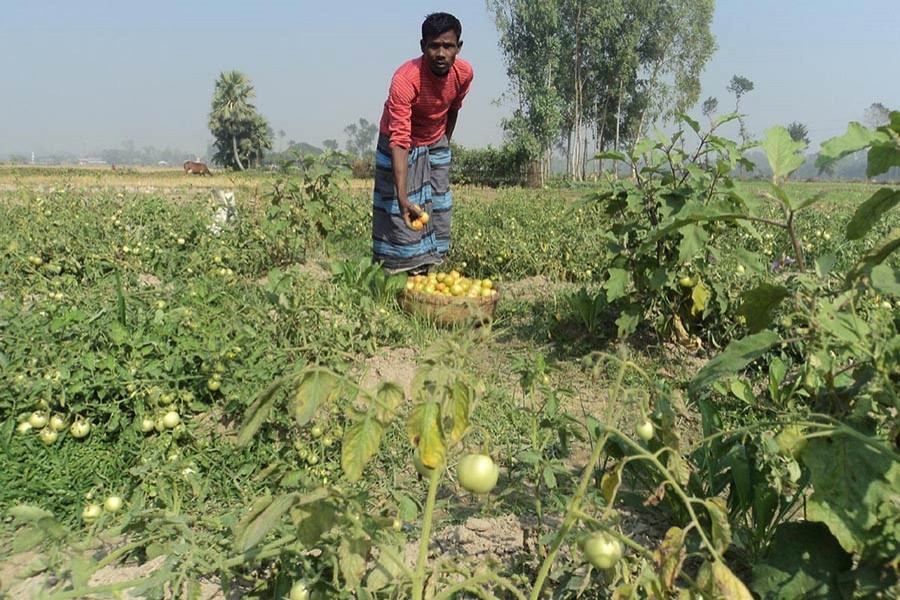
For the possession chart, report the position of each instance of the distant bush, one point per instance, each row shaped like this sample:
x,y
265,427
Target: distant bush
x,y
494,167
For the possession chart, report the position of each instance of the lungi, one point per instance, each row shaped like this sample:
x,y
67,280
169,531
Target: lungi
x,y
396,245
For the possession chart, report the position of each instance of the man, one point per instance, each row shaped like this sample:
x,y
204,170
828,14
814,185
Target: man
x,y
412,160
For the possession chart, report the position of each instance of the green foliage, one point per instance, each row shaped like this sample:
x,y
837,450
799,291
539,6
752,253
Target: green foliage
x,y
241,134
493,167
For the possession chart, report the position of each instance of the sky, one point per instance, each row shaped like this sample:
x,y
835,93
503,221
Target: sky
x,y
82,76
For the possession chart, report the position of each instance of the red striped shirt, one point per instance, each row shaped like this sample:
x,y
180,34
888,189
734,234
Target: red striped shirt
x,y
415,112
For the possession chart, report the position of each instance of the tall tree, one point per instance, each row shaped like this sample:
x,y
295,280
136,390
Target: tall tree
x,y
710,106
529,37
798,132
234,123
361,137
877,115
739,86
330,144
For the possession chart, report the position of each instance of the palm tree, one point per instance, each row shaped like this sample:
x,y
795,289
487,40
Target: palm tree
x,y
231,109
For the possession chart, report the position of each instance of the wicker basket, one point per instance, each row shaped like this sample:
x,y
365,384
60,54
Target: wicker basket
x,y
450,310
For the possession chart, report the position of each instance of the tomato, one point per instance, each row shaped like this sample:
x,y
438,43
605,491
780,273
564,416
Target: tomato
x,y
113,504
602,550
487,283
91,512
57,423
424,217
38,419
477,473
48,435
740,269
147,424
171,419
24,427
686,282
328,441
791,441
316,431
417,225
645,430
397,525
299,591
80,429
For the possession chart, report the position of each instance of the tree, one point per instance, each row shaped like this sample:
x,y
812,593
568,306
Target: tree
x,y
877,115
330,144
710,106
740,86
239,131
798,132
361,137
281,134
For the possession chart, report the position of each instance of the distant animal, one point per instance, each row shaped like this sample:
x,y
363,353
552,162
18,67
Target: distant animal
x,y
195,168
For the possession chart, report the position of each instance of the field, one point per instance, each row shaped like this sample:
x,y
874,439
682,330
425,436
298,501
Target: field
x,y
243,410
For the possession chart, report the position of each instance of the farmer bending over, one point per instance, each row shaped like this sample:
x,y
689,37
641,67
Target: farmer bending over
x,y
412,161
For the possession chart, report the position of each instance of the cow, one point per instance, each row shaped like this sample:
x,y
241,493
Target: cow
x,y
195,168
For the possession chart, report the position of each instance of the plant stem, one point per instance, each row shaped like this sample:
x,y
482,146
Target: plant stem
x,y
571,514
418,583
478,579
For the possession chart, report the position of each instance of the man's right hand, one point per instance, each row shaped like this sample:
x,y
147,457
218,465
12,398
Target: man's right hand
x,y
408,211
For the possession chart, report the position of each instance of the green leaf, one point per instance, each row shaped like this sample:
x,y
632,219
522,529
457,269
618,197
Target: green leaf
x,y
25,513
693,241
875,256
803,560
360,444
721,527
617,284
265,514
736,356
691,123
611,156
854,492
353,553
856,138
314,388
628,320
759,304
882,157
868,213
810,201
886,280
426,435
784,154
258,412
390,396
455,412
824,264
700,295
717,580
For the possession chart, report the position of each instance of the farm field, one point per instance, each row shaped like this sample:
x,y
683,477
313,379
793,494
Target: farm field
x,y
198,409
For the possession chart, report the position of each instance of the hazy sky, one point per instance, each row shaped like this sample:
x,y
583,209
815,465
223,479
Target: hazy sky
x,y
80,76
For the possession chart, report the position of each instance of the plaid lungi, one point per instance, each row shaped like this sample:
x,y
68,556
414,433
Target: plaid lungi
x,y
394,243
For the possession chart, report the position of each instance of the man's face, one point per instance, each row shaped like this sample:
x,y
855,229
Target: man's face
x,y
441,51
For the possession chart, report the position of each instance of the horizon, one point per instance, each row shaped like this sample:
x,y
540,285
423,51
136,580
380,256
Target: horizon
x,y
83,79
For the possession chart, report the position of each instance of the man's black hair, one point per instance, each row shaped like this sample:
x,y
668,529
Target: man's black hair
x,y
436,24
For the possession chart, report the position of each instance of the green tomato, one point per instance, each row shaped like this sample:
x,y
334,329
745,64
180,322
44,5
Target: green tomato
x,y
80,429
113,504
91,513
38,419
791,441
57,423
171,419
686,282
477,473
24,427
602,551
213,385
48,435
316,431
299,591
147,424
645,430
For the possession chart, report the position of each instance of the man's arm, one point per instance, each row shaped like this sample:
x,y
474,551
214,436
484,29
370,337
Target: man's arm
x,y
451,122
400,166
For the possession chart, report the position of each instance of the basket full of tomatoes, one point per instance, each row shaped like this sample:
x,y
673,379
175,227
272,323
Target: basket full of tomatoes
x,y
450,298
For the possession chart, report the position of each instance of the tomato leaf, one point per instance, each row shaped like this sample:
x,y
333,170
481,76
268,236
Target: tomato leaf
x,y
670,556
759,304
360,444
256,413
456,412
390,396
718,581
314,388
353,554
736,356
425,434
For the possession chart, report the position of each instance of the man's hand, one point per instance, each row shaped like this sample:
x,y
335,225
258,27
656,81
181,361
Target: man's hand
x,y
408,211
